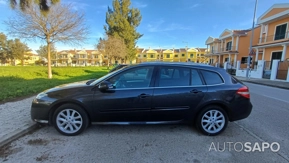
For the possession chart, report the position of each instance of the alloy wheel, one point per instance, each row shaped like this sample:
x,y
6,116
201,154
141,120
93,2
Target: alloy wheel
x,y
69,121
213,121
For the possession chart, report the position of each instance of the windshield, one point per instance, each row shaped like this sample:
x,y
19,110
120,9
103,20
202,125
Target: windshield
x,y
105,76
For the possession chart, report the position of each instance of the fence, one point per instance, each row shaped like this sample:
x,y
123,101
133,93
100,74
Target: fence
x,y
282,70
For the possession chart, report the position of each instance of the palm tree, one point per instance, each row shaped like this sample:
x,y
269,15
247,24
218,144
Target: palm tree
x,y
43,4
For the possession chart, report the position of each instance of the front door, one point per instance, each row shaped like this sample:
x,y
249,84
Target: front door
x,y
129,100
275,55
178,91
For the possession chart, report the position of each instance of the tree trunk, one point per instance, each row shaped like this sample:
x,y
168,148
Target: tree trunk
x,y
48,59
108,63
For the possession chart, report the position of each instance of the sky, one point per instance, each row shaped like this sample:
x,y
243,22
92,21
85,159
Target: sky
x,y
165,24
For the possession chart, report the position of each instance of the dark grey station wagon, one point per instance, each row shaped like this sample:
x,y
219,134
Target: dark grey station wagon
x,y
147,93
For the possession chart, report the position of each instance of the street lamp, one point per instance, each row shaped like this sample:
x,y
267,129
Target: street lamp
x,y
251,42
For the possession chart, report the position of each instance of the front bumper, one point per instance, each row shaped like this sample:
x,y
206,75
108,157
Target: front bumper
x,y
40,111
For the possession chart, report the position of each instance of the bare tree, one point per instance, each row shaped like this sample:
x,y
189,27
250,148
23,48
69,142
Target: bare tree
x,y
112,47
61,24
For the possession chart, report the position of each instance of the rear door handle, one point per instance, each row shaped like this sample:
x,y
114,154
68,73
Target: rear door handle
x,y
143,95
195,91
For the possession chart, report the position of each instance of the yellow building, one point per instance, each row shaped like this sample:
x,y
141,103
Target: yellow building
x,y
29,59
196,55
168,55
95,58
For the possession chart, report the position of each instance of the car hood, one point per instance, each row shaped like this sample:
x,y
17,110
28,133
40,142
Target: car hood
x,y
67,86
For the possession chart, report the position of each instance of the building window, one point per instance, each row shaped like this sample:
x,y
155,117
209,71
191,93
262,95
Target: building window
x,y
144,56
202,54
191,55
245,59
168,55
265,28
176,55
211,61
139,55
229,46
280,32
152,55
183,55
198,54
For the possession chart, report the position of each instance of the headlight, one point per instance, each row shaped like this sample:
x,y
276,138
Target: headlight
x,y
40,95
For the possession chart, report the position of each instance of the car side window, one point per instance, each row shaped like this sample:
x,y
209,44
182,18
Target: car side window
x,y
212,78
133,78
195,78
174,76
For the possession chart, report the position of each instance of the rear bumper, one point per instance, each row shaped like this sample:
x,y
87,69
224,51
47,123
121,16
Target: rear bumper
x,y
241,111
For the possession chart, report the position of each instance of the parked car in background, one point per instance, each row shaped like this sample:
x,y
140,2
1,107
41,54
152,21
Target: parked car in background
x,y
147,93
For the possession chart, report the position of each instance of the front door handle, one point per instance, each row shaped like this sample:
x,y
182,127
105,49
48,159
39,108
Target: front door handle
x,y
195,91
143,95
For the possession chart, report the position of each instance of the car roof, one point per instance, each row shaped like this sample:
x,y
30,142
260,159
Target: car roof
x,y
176,63
184,64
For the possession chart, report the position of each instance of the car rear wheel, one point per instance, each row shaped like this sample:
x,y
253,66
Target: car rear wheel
x,y
212,120
70,119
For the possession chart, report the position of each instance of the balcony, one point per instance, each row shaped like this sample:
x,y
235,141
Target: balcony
x,y
228,49
274,38
213,51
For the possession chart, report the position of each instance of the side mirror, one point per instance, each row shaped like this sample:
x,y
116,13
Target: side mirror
x,y
105,86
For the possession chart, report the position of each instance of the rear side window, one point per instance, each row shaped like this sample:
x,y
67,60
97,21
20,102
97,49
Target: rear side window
x,y
195,78
174,76
212,78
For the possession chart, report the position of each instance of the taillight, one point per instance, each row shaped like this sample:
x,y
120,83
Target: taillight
x,y
244,91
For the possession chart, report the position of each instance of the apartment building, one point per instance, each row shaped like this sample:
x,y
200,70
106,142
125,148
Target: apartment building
x,y
274,38
196,55
230,46
79,58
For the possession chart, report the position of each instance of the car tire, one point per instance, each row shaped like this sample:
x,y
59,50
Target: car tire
x,y
212,120
70,119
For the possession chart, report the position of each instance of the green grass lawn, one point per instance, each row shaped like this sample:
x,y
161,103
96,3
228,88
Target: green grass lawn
x,y
18,81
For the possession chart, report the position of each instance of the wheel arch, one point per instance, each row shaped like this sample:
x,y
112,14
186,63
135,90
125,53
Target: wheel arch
x,y
62,102
214,103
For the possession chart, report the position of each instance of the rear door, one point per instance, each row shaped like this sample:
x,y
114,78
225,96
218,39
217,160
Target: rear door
x,y
178,91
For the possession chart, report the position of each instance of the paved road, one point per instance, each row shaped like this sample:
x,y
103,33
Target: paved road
x,y
270,118
167,143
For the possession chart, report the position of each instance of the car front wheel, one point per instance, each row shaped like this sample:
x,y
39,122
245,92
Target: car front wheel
x,y
70,119
212,120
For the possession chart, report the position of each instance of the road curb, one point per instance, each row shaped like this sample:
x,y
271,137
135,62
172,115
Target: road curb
x,y
17,134
275,86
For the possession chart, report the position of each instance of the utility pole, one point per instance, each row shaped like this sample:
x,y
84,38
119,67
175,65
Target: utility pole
x,y
251,42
